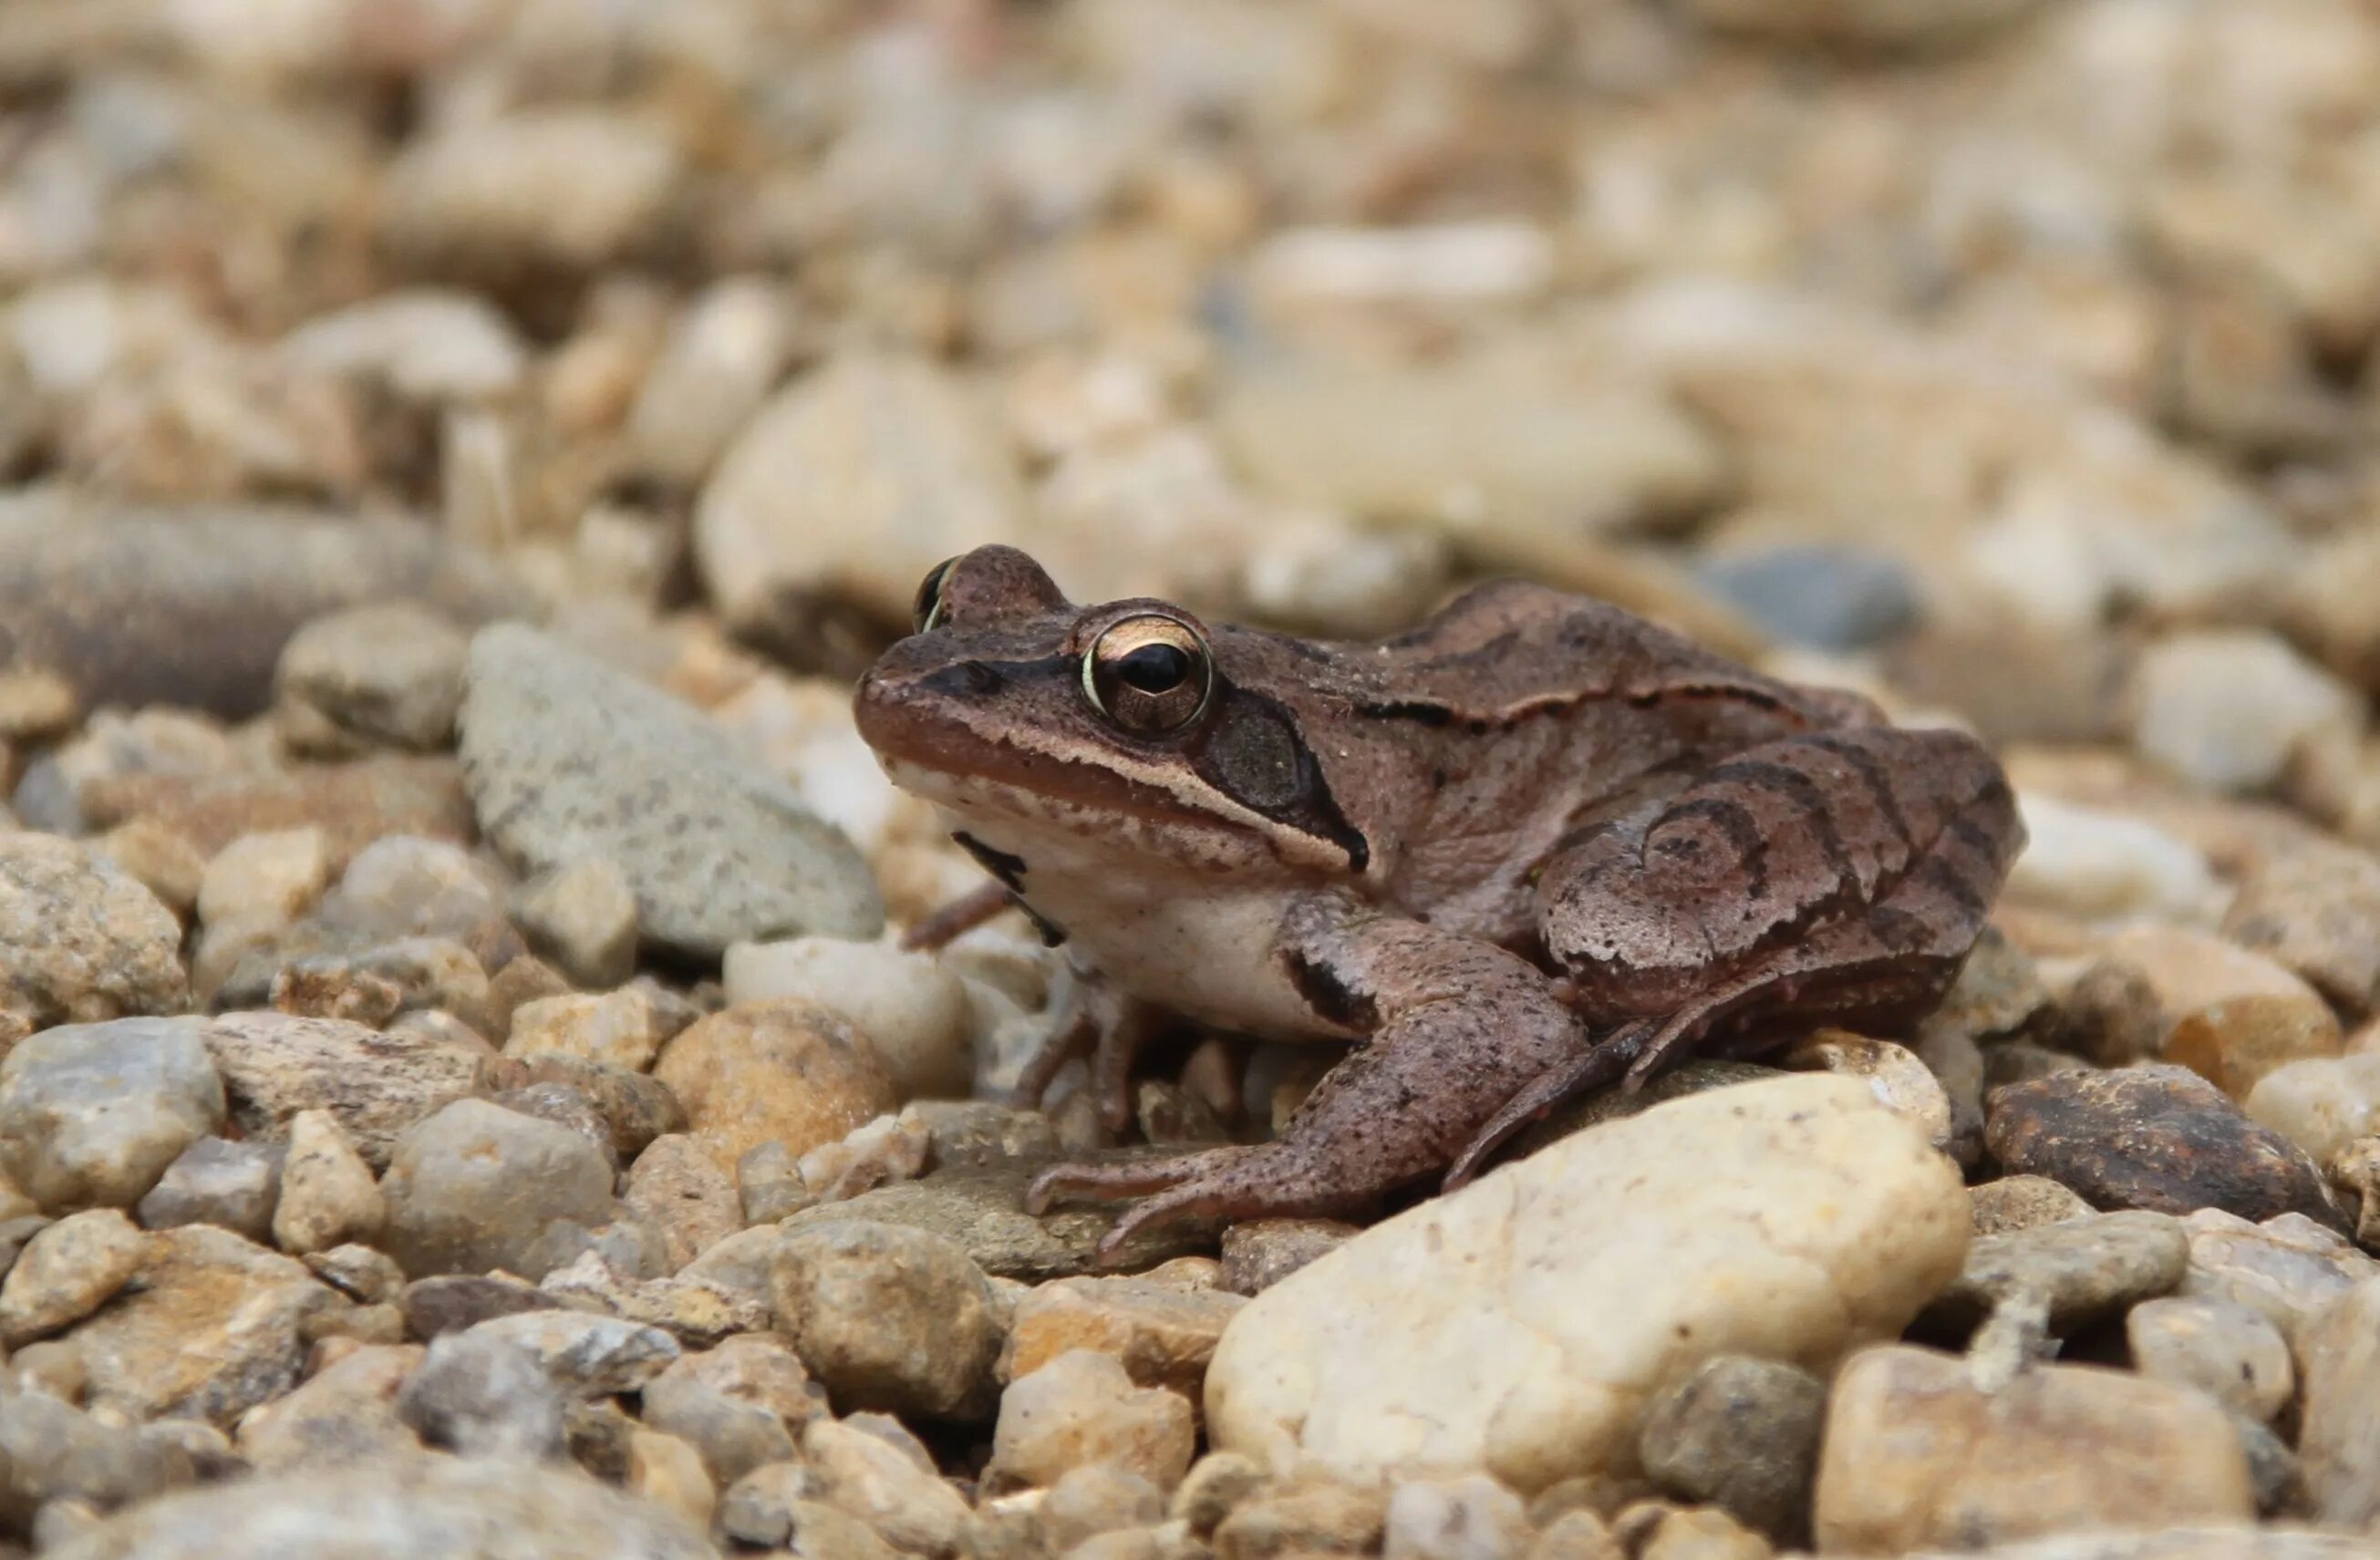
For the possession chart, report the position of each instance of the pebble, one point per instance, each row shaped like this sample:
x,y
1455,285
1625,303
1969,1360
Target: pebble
x,y
742,1404
484,1397
684,1194
565,188
668,1473
2321,1104
208,1327
57,1452
1916,1455
788,1072
623,1029
2229,708
67,1271
425,345
1722,1183
2313,910
81,941
724,355
2338,1354
450,1302
1741,1435
2161,1138
2015,1203
404,885
354,805
913,1012
1313,1514
2225,1349
586,1356
871,1478
636,1108
2102,865
1827,598
2228,1014
2078,1270
91,1115
342,1415
2288,1268
889,1149
1165,1336
582,915
385,676
1902,1082
564,758
891,1320
476,1187
763,1510
1082,1409
852,482
328,1195
1259,1254
218,1182
116,612
1469,1518
428,1505
376,1083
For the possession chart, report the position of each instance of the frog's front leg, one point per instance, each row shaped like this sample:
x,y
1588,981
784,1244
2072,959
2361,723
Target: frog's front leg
x,y
1095,1020
1454,1028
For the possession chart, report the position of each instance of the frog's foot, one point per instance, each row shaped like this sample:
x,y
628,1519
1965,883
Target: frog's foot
x,y
1106,1027
948,923
1280,1179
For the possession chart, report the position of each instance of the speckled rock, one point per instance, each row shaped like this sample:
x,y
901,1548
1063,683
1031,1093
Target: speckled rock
x,y
386,675
1612,1264
636,1107
565,757
484,1396
477,1187
428,1506
2161,1138
113,602
353,804
472,199
684,1193
57,1452
2339,1359
377,1083
1469,1518
2233,1354
93,1114
211,1326
2229,708
2227,1013
1259,1254
67,1272
1915,1454
2194,1541
788,1072
2315,911
1081,1408
80,939
623,1029
889,1319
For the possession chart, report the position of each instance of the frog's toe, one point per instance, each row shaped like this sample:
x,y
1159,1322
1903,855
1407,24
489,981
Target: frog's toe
x,y
1132,1178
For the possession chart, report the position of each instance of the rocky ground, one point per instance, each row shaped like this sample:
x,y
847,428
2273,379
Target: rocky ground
x,y
461,1095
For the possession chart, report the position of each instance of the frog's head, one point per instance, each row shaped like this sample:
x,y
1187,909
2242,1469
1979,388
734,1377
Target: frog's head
x,y
1130,723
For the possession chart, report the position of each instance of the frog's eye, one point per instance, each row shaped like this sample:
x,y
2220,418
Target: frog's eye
x,y
925,613
1150,674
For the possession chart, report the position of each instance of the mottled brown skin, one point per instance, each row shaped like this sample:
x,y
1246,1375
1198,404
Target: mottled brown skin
x,y
1533,846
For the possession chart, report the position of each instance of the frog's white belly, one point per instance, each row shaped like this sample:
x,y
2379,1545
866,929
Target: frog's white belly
x,y
1189,942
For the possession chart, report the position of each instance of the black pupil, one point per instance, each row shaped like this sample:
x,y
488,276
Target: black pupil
x,y
1154,669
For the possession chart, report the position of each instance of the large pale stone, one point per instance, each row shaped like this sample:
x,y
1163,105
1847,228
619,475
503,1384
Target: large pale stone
x,y
1533,1315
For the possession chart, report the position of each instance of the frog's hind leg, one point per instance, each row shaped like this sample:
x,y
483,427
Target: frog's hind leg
x,y
1843,876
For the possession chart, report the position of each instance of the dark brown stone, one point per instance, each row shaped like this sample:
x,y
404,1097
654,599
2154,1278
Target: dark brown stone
x,y
2158,1137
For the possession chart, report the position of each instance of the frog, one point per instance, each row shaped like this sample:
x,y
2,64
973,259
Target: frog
x,y
1533,846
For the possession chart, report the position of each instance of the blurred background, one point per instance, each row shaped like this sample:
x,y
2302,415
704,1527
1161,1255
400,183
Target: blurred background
x,y
2010,358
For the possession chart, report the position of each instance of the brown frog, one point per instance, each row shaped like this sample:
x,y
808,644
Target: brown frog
x,y
1531,847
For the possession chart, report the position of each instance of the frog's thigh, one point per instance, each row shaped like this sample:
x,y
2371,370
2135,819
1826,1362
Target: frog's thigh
x,y
1845,872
